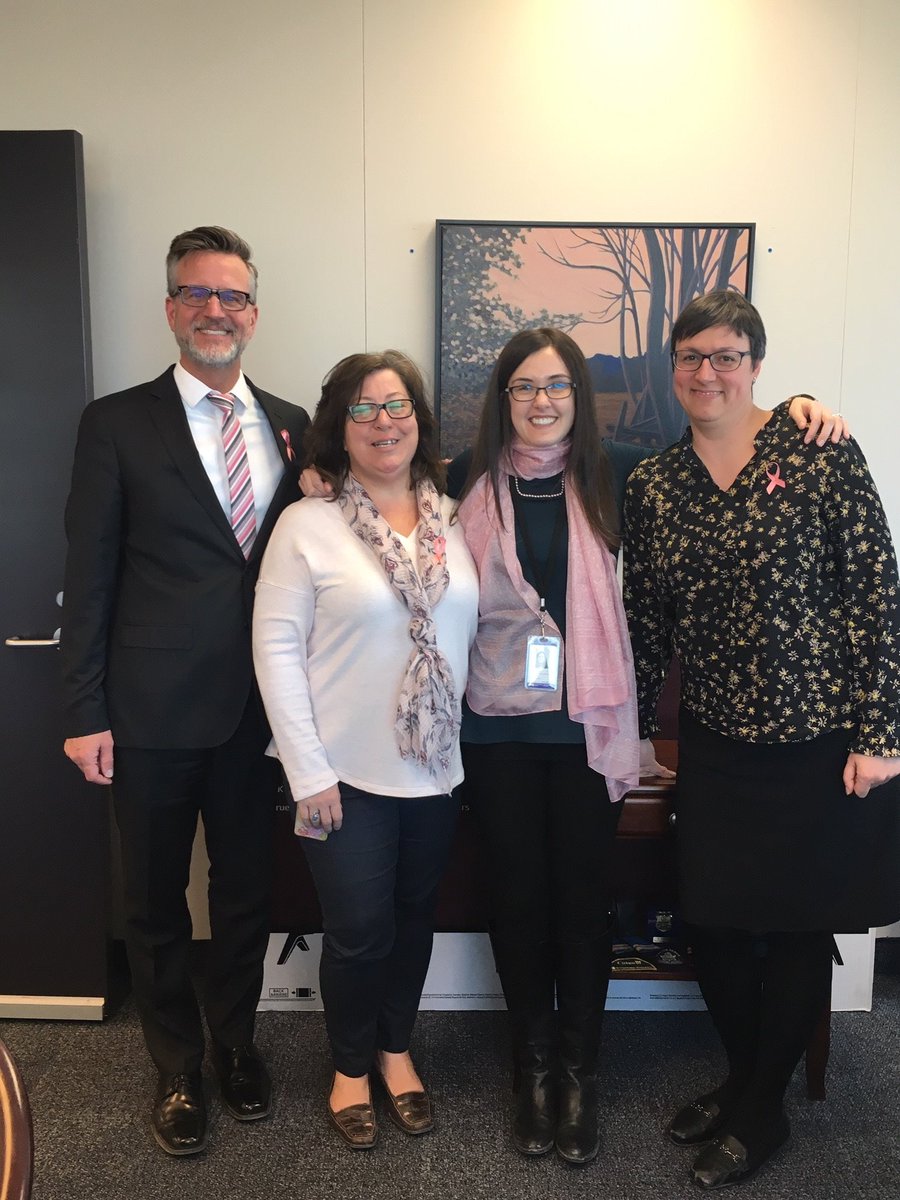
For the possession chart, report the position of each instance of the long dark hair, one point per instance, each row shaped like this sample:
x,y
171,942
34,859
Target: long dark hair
x,y
588,472
323,445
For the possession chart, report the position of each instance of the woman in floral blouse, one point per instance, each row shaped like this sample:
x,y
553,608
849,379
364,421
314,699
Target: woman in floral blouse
x,y
768,568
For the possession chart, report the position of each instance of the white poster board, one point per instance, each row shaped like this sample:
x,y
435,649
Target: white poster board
x,y
462,976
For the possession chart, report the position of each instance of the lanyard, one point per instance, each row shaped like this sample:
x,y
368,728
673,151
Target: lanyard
x,y
543,574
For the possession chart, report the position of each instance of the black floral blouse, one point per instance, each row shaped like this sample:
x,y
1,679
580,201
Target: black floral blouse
x,y
779,596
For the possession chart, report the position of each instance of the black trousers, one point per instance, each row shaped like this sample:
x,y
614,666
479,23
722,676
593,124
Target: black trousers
x,y
158,796
549,829
377,879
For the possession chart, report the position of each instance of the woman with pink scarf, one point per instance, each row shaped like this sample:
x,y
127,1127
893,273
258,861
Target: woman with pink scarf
x,y
547,758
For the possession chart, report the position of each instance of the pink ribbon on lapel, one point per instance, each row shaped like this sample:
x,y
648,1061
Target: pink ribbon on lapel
x,y
290,449
775,479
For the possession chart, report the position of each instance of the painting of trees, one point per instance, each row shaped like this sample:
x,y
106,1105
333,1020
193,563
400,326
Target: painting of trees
x,y
615,288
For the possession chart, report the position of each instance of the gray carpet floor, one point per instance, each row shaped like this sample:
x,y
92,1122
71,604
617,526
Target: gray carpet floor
x,y
90,1088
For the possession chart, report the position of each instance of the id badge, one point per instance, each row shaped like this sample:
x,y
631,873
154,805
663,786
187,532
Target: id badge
x,y
542,663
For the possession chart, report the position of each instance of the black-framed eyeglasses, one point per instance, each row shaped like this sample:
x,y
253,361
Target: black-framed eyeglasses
x,y
559,389
195,296
719,360
367,410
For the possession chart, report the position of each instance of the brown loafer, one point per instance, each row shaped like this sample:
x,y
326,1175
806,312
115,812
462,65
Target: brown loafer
x,y
355,1124
410,1111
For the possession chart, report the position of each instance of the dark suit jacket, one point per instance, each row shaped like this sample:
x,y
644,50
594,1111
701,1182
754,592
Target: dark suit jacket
x,y
158,597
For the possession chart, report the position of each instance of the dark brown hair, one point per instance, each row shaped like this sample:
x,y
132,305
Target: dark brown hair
x,y
588,471
324,441
721,308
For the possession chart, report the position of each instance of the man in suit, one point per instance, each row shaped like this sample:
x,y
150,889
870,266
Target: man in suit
x,y
175,488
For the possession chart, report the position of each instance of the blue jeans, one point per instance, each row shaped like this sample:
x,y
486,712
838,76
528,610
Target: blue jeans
x,y
377,880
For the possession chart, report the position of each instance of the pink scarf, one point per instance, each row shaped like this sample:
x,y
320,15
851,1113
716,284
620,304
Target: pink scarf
x,y
601,687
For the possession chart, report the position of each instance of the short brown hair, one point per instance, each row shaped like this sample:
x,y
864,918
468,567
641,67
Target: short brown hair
x,y
721,308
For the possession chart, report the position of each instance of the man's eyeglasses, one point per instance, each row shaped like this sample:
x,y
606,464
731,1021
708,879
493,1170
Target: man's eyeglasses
x,y
559,389
195,296
361,414
720,360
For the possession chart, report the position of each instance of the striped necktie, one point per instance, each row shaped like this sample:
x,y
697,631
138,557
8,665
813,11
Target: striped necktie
x,y
237,465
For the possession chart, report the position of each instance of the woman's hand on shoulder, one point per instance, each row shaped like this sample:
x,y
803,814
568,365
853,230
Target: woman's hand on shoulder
x,y
820,424
649,767
312,484
327,804
864,772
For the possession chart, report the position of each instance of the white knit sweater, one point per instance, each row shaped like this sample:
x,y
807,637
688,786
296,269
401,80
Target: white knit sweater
x,y
330,644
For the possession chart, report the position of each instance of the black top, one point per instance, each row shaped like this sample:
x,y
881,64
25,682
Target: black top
x,y
780,594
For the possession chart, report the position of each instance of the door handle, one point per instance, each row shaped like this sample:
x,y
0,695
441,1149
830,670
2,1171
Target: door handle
x,y
30,641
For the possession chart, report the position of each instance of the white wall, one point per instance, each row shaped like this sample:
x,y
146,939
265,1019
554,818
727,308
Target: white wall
x,y
332,133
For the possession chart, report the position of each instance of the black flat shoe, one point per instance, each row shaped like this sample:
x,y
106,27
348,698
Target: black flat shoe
x,y
727,1160
696,1122
244,1081
178,1119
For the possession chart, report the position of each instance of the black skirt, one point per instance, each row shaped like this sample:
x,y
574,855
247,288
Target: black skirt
x,y
767,839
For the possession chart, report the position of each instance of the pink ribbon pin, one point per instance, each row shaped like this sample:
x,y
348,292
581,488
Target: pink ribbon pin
x,y
775,479
290,449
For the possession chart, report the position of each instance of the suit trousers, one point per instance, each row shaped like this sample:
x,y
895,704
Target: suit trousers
x,y
377,879
158,796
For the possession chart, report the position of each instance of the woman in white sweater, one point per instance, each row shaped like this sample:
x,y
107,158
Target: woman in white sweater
x,y
366,607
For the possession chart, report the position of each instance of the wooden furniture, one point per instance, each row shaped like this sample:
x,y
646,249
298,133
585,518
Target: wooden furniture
x,y
16,1135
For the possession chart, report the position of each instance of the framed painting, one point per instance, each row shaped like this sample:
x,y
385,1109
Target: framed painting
x,y
616,289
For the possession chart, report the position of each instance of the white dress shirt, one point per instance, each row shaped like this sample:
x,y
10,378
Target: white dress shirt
x,y
205,424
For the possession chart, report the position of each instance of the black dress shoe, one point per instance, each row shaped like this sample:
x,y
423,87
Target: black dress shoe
x,y
179,1114
727,1160
696,1122
244,1080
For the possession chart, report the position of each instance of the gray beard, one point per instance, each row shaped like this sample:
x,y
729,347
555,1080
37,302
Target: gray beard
x,y
214,356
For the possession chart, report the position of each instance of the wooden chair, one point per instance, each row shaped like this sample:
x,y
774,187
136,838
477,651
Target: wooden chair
x,y
16,1134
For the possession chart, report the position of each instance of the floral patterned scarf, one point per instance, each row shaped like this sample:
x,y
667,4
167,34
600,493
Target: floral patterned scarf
x,y
428,709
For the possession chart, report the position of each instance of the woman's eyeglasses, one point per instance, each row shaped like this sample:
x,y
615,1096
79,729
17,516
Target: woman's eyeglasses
x,y
559,389
719,360
362,413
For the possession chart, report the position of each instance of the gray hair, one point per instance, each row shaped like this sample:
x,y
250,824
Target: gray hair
x,y
213,238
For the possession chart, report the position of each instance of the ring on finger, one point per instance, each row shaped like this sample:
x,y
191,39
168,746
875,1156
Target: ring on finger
x,y
315,817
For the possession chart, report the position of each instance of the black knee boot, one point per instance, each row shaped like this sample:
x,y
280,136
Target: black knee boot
x,y
526,972
582,981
